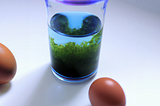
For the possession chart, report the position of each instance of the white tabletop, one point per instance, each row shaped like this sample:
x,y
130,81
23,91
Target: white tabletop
x,y
130,54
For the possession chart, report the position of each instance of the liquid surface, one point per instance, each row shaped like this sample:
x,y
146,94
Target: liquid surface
x,y
75,39
78,2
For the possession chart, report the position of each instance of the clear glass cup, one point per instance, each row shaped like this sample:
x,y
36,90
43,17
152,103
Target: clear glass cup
x,y
75,32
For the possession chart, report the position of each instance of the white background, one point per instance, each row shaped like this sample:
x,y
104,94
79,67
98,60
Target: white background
x,y
149,5
130,54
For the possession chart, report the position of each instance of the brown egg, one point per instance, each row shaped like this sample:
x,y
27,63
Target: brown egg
x,y
7,65
106,92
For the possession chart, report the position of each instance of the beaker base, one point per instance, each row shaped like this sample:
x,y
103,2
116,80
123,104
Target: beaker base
x,y
73,80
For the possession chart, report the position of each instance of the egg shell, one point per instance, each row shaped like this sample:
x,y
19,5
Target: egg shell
x,y
106,92
8,65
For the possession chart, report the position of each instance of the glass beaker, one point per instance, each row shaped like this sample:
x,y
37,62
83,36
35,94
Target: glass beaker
x,y
75,31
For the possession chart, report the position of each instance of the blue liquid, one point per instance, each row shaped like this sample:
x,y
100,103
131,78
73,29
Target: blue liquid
x,y
75,39
63,24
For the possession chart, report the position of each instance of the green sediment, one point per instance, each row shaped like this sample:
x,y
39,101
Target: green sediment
x,y
75,60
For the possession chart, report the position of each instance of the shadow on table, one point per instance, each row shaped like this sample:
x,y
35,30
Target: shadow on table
x,y
47,90
4,88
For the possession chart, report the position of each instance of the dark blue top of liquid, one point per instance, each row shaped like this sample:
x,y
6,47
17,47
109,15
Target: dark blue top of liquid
x,y
78,2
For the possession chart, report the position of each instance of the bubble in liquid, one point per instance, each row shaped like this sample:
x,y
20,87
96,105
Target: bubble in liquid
x,y
91,24
59,23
